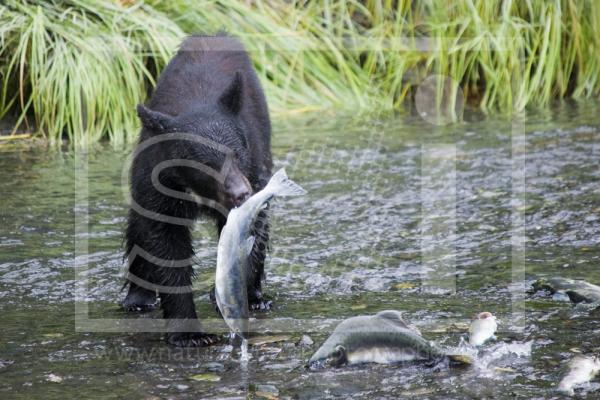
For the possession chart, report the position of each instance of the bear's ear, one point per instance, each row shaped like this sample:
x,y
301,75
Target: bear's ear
x,y
155,120
231,99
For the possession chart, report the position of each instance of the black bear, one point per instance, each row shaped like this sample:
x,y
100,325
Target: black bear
x,y
205,147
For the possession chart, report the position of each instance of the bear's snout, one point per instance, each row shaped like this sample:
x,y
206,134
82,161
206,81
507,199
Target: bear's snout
x,y
238,196
237,188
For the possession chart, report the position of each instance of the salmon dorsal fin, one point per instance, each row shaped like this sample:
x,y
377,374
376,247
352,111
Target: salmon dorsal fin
x,y
394,317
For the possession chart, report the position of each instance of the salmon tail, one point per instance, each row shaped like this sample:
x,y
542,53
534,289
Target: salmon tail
x,y
281,185
460,359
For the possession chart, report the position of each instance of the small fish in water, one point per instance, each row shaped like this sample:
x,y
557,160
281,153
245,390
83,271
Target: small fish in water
x,y
577,290
483,327
235,245
383,338
581,370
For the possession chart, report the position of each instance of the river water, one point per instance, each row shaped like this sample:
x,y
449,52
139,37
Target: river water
x,y
440,222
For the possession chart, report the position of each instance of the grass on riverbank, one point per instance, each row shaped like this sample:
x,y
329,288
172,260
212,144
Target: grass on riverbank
x,y
76,68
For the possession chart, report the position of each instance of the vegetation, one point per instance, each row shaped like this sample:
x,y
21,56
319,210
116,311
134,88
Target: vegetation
x,y
77,68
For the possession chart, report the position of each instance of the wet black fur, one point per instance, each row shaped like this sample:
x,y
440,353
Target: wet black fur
x,y
209,89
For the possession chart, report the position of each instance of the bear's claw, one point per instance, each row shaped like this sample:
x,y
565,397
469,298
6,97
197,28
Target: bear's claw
x,y
191,339
256,302
139,307
261,304
140,300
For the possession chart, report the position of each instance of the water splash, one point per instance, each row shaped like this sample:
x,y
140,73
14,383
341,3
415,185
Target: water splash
x,y
502,355
244,354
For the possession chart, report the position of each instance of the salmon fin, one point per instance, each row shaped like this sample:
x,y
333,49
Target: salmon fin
x,y
460,359
281,185
393,316
248,244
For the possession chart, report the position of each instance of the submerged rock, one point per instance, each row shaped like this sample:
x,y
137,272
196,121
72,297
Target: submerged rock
x,y
267,391
260,340
54,378
306,341
206,377
214,366
5,363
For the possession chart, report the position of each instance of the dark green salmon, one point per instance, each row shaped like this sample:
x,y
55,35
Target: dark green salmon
x,y
383,338
577,290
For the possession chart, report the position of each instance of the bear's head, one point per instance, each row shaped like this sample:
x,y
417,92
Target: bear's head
x,y
207,151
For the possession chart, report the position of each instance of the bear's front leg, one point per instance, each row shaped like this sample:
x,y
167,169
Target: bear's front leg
x,y
183,327
177,302
160,259
182,324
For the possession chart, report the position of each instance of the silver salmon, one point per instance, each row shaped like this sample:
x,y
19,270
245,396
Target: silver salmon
x,y
581,370
483,327
383,338
235,245
578,291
